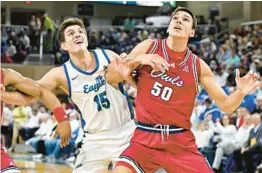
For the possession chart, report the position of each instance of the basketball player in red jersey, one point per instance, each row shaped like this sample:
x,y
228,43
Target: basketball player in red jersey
x,y
32,89
165,102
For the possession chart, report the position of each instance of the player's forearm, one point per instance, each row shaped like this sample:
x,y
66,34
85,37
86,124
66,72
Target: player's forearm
x,y
113,76
16,98
232,102
49,99
52,102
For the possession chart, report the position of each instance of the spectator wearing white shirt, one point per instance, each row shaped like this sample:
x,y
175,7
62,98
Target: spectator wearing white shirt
x,y
227,132
44,131
32,125
6,126
52,146
221,76
197,111
204,133
11,49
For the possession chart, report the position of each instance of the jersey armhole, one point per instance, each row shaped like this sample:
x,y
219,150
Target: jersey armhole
x,y
152,47
198,67
196,71
106,56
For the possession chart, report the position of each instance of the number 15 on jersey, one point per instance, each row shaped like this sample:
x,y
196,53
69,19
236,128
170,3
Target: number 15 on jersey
x,y
102,101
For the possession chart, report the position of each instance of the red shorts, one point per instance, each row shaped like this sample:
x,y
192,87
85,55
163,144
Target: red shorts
x,y
7,164
175,152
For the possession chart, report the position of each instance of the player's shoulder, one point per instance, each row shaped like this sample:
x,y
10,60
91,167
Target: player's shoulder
x,y
56,71
148,42
111,54
8,72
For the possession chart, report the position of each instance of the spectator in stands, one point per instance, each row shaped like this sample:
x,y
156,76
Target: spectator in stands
x,y
7,126
24,41
197,111
221,76
11,49
228,146
258,104
204,133
251,147
242,112
92,40
52,146
130,23
31,126
20,115
34,31
44,131
234,61
249,102
231,77
212,109
48,27
256,66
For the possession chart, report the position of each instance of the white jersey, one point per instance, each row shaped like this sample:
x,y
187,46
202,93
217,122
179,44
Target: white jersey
x,y
102,107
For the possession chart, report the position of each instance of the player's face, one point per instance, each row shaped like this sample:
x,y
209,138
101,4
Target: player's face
x,y
75,39
181,25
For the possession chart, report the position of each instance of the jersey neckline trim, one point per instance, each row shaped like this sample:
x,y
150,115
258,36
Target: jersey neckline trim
x,y
85,72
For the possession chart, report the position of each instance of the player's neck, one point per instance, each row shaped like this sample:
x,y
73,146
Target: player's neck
x,y
82,59
177,44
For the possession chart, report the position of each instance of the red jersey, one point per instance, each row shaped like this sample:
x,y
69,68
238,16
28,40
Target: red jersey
x,y
2,82
168,97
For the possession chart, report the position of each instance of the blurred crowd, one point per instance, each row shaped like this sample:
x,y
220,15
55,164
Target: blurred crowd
x,y
34,126
231,143
17,42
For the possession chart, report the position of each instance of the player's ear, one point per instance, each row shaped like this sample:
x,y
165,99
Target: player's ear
x,y
192,33
63,46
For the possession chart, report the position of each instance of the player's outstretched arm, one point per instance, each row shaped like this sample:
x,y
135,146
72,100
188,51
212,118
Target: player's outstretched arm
x,y
16,98
30,87
245,85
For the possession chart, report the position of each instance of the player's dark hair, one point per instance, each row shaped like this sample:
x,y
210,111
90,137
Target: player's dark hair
x,y
66,23
187,11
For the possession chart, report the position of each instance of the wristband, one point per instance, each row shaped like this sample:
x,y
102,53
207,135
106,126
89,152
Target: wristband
x,y
60,114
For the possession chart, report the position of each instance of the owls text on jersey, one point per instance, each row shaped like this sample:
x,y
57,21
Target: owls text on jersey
x,y
102,107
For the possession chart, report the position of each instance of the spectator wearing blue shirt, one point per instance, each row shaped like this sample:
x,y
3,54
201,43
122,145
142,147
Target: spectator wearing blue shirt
x,y
211,109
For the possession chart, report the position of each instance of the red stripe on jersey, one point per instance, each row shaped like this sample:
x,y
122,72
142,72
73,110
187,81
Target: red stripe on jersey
x,y
152,47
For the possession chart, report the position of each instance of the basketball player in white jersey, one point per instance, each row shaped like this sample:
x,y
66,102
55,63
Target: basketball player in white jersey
x,y
106,113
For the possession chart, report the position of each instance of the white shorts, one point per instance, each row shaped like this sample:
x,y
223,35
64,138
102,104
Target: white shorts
x,y
99,149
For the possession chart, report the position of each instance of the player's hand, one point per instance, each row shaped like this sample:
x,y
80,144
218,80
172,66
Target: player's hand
x,y
157,62
123,67
64,130
247,83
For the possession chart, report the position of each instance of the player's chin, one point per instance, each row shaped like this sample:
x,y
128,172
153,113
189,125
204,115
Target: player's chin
x,y
79,49
177,35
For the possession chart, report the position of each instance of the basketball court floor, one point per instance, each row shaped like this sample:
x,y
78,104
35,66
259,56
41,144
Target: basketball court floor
x,y
27,164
